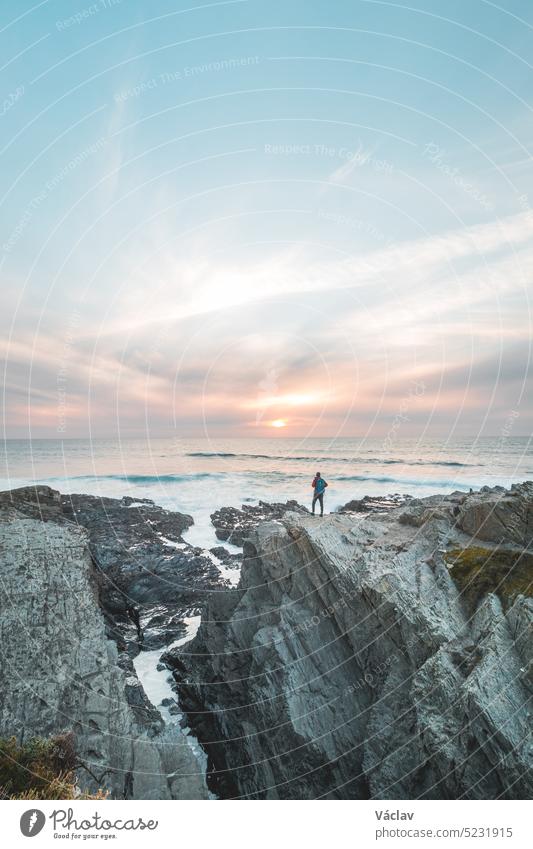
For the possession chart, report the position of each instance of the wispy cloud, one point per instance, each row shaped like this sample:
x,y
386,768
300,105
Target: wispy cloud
x,y
355,159
433,309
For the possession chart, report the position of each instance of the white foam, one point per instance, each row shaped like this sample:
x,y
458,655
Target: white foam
x,y
171,544
226,572
157,686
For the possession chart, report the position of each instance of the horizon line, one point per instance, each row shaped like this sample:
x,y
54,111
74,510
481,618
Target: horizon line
x,y
213,439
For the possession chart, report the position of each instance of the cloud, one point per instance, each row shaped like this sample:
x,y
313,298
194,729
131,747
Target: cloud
x,y
335,330
354,159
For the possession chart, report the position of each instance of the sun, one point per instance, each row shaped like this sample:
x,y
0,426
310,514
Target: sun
x,y
278,423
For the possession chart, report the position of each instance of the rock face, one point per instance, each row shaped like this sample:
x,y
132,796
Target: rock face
x,y
149,577
374,503
59,671
352,662
377,654
233,525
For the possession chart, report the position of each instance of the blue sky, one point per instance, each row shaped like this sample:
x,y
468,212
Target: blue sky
x,y
225,215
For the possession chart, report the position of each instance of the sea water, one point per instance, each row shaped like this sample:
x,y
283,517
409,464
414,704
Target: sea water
x,y
197,476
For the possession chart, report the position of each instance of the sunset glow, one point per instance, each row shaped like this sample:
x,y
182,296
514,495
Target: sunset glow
x,y
363,279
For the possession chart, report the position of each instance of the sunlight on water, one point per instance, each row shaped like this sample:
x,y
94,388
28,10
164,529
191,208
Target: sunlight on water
x,y
199,476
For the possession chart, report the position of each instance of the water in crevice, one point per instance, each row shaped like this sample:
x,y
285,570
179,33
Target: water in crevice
x,y
157,683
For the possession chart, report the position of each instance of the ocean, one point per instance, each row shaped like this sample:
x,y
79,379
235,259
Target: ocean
x,y
196,476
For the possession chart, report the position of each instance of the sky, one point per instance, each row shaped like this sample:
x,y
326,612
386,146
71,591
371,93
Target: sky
x,y
250,218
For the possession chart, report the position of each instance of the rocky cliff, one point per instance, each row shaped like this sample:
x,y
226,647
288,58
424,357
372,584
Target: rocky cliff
x,y
373,655
60,671
382,652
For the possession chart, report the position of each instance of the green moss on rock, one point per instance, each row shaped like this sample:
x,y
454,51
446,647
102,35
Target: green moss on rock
x,y
479,571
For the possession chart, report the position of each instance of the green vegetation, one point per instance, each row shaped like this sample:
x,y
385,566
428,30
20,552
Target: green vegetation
x,y
479,571
40,769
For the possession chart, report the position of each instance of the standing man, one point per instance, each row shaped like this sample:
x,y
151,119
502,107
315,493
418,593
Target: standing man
x,y
319,485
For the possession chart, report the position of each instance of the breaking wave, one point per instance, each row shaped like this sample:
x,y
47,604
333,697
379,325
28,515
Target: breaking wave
x,y
272,475
326,459
147,479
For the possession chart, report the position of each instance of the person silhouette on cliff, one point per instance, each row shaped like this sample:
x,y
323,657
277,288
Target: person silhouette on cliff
x,y
319,486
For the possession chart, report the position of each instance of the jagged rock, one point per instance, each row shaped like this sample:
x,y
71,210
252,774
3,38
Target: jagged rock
x,y
232,560
369,654
160,624
143,566
60,672
234,526
374,503
139,549
500,516
37,502
350,664
418,511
